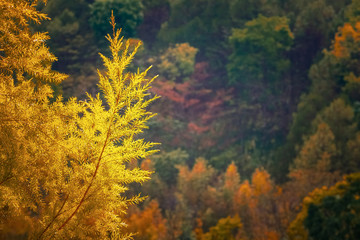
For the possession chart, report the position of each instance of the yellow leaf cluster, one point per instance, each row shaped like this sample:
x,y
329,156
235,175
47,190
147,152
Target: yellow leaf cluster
x,y
178,61
63,165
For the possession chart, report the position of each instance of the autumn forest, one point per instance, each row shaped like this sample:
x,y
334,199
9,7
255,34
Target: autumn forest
x,y
180,120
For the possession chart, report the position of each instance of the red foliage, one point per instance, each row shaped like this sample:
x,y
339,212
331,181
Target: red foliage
x,y
192,127
200,72
199,110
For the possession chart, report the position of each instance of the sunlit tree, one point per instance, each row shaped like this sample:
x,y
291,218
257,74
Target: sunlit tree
x,y
63,165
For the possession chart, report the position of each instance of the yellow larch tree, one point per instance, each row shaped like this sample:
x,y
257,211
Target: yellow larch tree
x,y
63,165
256,206
232,178
231,185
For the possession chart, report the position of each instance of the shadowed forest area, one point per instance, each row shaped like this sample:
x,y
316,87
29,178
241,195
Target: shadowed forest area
x,y
258,118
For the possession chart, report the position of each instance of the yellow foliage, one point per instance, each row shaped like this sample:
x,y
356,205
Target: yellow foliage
x,y
22,51
147,164
200,170
232,179
229,228
192,185
63,165
178,62
255,204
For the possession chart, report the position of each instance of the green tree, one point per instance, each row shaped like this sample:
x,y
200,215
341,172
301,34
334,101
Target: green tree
x,y
63,165
314,27
259,70
72,41
330,213
197,22
128,14
317,150
166,165
156,12
334,76
340,118
352,11
259,51
72,38
205,25
253,8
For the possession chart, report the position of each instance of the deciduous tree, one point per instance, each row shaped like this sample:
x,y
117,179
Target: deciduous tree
x,y
148,224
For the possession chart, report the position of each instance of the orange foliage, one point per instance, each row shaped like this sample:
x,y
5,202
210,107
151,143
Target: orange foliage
x,y
198,171
184,172
232,178
133,42
258,205
261,182
198,230
272,235
199,109
149,224
147,164
345,33
244,194
194,187
171,90
303,181
199,168
193,127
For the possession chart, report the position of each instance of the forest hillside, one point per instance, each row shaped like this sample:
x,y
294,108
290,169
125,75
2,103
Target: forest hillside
x,y
258,118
